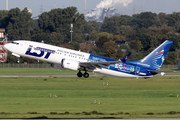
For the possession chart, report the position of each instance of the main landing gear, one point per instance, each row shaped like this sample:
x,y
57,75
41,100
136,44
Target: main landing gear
x,y
86,75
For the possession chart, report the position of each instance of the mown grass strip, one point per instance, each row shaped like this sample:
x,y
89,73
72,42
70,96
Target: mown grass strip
x,y
109,96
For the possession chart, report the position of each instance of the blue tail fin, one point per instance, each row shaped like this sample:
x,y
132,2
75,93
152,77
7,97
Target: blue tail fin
x,y
157,56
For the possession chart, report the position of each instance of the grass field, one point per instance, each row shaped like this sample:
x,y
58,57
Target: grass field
x,y
71,97
27,71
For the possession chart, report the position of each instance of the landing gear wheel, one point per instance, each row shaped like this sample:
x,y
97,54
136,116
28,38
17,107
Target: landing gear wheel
x,y
79,74
86,75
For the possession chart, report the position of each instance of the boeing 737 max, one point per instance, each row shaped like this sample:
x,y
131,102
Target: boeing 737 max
x,y
63,58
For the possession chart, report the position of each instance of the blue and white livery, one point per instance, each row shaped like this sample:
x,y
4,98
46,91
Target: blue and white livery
x,y
63,58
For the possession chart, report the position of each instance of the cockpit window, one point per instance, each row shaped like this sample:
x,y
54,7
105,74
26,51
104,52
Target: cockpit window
x,y
15,43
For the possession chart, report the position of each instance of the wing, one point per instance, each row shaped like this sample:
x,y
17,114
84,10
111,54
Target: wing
x,y
90,66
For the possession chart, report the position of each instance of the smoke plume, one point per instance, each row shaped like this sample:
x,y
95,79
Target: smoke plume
x,y
110,3
104,5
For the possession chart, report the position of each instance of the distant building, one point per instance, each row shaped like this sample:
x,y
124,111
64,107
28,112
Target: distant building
x,y
30,10
3,41
121,42
93,42
2,31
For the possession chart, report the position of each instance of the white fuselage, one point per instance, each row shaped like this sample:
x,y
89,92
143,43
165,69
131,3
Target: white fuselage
x,y
55,57
54,54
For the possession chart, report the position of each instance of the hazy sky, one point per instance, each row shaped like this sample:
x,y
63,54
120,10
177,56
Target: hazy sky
x,y
45,5
136,6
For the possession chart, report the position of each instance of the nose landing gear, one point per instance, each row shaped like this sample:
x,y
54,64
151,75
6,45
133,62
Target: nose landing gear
x,y
86,75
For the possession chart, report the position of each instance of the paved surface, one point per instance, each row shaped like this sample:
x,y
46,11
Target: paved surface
x,y
58,75
102,119
64,75
172,74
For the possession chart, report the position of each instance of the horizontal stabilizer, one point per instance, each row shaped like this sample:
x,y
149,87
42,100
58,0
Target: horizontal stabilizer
x,y
157,73
153,72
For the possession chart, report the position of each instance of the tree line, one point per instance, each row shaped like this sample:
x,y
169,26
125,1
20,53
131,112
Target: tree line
x,y
141,32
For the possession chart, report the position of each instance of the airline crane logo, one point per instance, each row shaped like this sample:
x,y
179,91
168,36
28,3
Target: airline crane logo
x,y
158,59
39,52
160,53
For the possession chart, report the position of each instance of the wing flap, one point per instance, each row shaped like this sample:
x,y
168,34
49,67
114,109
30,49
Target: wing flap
x,y
90,66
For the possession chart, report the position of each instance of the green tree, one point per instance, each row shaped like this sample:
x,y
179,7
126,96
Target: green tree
x,y
75,45
125,20
110,24
174,19
108,35
119,54
125,47
125,31
175,40
60,20
41,37
118,38
88,28
49,38
110,49
11,59
145,40
93,36
171,58
101,41
136,45
3,18
147,19
96,25
19,25
163,20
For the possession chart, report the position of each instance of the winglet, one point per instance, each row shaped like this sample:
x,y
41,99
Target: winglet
x,y
91,52
125,58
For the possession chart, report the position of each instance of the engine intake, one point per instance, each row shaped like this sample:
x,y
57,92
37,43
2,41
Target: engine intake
x,y
70,64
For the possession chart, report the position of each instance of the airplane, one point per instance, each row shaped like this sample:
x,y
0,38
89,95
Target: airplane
x,y
63,58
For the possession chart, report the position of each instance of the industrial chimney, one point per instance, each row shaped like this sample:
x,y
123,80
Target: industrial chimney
x,y
6,4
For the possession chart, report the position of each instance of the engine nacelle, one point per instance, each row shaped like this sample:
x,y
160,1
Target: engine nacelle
x,y
160,74
70,64
163,73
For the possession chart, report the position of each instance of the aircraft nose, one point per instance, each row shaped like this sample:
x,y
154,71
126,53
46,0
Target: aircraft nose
x,y
7,46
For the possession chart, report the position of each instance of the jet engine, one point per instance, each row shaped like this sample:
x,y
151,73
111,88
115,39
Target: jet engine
x,y
70,64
